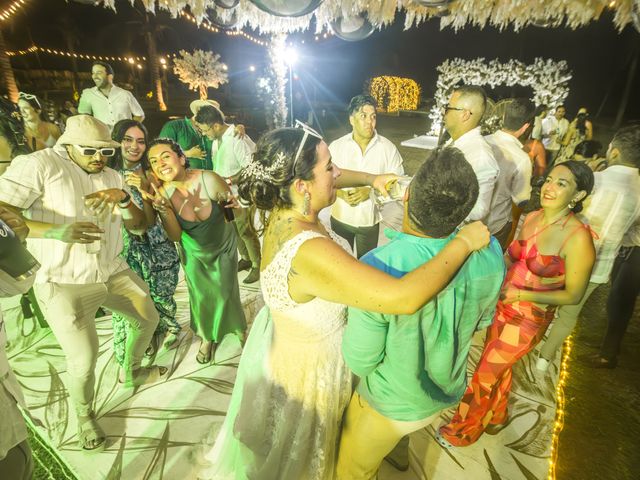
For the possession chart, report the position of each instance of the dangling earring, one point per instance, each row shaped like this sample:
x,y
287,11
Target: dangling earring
x,y
572,204
306,204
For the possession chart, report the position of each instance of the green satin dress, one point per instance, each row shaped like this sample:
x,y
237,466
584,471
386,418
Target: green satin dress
x,y
210,261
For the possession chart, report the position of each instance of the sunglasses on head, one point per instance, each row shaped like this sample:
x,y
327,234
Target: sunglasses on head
x,y
307,131
28,96
91,151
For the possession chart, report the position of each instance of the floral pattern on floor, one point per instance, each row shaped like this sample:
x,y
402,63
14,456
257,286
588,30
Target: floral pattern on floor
x,y
158,431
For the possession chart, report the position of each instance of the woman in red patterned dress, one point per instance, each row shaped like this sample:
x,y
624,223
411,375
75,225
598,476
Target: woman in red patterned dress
x,y
549,264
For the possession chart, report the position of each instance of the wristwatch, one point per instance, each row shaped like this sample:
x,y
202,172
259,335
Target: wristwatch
x,y
124,203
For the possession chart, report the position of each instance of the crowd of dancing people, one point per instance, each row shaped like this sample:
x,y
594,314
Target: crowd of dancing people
x,y
359,344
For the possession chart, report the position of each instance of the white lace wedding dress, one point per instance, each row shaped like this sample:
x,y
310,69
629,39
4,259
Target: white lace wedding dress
x,y
292,387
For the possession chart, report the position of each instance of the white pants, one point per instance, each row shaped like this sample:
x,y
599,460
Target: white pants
x,y
70,310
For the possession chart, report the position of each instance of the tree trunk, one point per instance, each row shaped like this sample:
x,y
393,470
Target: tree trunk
x,y
6,72
203,92
154,66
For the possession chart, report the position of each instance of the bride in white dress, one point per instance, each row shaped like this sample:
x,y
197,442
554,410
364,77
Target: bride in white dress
x,y
292,386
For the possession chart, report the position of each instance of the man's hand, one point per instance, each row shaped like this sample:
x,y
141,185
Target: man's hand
x,y
100,201
358,195
195,152
239,131
476,235
15,222
79,232
382,183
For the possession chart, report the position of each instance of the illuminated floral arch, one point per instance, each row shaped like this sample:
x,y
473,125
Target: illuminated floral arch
x,y
395,93
548,78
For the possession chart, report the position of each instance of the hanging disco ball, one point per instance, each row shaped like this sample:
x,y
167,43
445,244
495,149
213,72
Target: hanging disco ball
x,y
353,28
287,8
226,4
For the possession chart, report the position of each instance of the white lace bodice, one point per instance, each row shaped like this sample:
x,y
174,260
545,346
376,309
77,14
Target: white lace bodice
x,y
311,320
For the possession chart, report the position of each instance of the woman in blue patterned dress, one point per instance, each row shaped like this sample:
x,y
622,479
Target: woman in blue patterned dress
x,y
152,255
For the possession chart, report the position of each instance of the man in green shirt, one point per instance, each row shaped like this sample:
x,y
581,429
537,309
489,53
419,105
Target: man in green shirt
x,y
196,146
411,367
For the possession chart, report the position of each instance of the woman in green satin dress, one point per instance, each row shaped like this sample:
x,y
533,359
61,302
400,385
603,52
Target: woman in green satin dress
x,y
189,204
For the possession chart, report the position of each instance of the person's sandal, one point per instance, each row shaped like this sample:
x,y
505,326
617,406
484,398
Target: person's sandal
x,y
444,443
170,340
205,357
90,431
154,345
145,376
595,360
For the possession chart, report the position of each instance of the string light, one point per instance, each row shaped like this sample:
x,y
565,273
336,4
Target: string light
x,y
558,423
84,56
207,25
395,93
11,10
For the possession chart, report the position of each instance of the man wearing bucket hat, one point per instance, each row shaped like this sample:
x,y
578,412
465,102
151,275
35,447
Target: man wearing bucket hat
x,y
75,207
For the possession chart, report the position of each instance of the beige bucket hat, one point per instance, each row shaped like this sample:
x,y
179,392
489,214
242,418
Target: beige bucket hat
x,y
198,104
87,131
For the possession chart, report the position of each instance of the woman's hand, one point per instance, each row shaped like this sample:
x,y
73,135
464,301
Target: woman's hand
x,y
137,180
476,235
510,294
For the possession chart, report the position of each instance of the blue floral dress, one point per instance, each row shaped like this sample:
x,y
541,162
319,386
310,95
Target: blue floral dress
x,y
155,259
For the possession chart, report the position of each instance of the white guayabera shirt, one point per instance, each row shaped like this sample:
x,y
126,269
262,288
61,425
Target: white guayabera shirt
x,y
50,188
380,156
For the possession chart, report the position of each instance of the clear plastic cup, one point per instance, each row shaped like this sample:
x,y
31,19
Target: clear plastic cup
x,y
98,220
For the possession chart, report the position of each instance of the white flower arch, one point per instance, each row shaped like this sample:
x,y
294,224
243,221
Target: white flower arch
x,y
548,79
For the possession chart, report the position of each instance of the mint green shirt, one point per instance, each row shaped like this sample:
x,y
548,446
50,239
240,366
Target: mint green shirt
x,y
412,366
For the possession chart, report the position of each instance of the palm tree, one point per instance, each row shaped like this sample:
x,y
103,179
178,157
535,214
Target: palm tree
x,y
150,28
68,29
6,71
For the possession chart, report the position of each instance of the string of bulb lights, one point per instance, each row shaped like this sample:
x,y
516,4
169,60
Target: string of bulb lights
x,y
8,12
84,56
558,423
213,29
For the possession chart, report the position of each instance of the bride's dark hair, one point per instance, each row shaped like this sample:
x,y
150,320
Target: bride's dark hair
x,y
265,182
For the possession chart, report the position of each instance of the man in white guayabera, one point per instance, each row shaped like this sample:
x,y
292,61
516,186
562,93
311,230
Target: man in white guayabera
x,y
75,207
355,215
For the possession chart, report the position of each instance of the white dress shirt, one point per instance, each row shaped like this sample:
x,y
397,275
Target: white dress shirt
x,y
380,156
231,154
119,105
514,181
478,153
553,131
612,212
12,424
50,188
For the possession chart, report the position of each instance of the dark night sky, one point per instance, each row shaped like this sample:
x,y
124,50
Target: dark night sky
x,y
597,54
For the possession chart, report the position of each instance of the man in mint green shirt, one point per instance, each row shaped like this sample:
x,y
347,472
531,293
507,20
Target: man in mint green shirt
x,y
411,367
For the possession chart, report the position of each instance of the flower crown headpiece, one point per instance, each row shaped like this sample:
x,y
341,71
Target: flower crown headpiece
x,y
257,170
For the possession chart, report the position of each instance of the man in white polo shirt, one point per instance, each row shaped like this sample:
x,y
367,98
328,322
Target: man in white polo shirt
x,y
232,154
513,187
64,192
106,101
462,117
355,215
